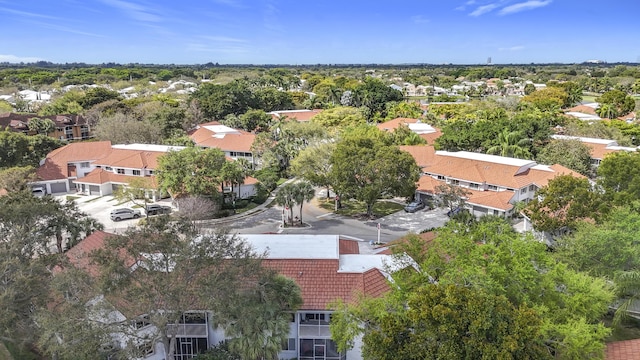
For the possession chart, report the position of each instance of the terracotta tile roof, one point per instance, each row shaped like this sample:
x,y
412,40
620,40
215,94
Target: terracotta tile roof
x,y
79,254
56,163
20,121
132,159
431,137
299,115
623,350
100,176
321,283
491,199
424,155
240,141
395,123
428,184
349,247
583,109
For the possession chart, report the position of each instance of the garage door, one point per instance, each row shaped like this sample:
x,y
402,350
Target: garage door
x,y
58,188
94,190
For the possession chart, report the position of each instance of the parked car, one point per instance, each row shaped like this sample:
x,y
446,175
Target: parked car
x,y
157,209
414,206
38,191
124,213
454,211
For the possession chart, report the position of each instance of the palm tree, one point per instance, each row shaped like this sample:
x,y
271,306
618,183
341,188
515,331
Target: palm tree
x,y
303,193
285,197
628,288
511,144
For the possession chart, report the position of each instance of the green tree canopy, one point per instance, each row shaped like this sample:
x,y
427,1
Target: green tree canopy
x,y
365,167
615,103
192,171
619,176
572,154
563,204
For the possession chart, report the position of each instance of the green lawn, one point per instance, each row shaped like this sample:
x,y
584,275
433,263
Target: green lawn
x,y
357,208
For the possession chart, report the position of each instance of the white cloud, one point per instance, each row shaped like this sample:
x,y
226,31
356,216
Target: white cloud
x,y
224,39
18,59
133,10
27,14
480,10
512,48
527,5
419,19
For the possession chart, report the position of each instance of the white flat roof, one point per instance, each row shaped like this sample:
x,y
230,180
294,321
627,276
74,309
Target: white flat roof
x,y
294,246
148,147
421,128
488,158
583,116
221,130
358,263
585,139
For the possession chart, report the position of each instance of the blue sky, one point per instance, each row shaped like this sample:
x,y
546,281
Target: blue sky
x,y
319,31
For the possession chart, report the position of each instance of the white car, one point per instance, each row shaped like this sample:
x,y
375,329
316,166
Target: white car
x,y
124,213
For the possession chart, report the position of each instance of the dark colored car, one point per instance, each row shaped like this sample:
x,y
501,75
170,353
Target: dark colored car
x,y
454,211
414,206
156,209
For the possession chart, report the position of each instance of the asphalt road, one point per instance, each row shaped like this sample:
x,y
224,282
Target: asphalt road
x,y
320,221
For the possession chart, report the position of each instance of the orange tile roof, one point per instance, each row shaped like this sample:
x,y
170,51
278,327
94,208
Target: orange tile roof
x,y
583,109
100,176
598,151
428,184
241,141
424,155
56,163
132,159
79,254
491,199
431,137
395,123
321,283
348,247
623,350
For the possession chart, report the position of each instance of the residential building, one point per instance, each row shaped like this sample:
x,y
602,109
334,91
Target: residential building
x,y
599,147
298,115
99,168
493,183
325,267
426,131
67,127
623,350
236,144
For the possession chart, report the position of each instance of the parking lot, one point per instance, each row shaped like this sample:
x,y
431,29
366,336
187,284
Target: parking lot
x,y
415,222
99,207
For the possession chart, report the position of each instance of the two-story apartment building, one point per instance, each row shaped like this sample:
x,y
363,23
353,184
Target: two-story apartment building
x,y
236,144
599,147
99,168
325,267
493,183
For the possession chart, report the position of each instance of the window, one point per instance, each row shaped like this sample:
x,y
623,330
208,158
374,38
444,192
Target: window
x,y
532,188
120,171
473,186
194,318
108,168
523,191
496,212
492,187
440,177
455,182
289,344
84,164
233,153
510,189
151,172
136,172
